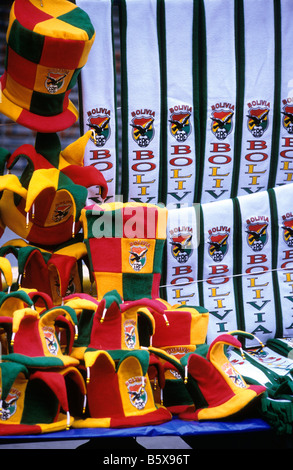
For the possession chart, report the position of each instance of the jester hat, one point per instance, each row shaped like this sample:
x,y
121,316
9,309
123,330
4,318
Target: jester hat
x,y
217,388
34,337
47,154
47,212
120,395
47,46
57,273
39,402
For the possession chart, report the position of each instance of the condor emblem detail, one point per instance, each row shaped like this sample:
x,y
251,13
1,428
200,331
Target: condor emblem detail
x,y
137,257
100,127
129,334
180,126
288,232
218,246
137,392
257,235
288,118
258,121
181,246
221,123
142,130
9,405
51,341
55,81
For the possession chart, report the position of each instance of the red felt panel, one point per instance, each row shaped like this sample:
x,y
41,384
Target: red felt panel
x,y
21,70
64,54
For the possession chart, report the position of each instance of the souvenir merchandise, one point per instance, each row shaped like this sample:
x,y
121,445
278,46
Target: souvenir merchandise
x,y
39,98
37,402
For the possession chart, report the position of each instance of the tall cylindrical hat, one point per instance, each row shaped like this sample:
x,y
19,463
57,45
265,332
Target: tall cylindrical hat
x,y
48,43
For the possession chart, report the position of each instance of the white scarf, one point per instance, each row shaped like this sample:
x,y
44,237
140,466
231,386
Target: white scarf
x,y
258,88
254,255
98,97
217,267
182,256
141,101
179,121
217,156
281,203
284,162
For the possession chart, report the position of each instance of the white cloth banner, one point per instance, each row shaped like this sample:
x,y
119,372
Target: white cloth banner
x,y
141,101
255,256
282,213
284,173
218,156
258,105
181,128
216,252
98,92
182,256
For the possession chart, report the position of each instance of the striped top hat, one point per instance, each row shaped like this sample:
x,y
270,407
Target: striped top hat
x,y
47,45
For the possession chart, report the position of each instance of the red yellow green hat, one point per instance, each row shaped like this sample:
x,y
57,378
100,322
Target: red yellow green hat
x,y
120,395
47,46
40,401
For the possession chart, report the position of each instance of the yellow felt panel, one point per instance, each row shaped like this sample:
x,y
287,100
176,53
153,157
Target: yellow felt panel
x,y
54,7
108,281
16,396
132,383
59,29
17,94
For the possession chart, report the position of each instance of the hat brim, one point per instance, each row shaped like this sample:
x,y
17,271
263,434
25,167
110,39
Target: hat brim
x,y
40,428
41,361
35,122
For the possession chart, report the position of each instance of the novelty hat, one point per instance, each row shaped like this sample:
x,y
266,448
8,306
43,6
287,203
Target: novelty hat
x,y
47,212
125,244
217,388
120,395
47,45
34,338
57,273
39,402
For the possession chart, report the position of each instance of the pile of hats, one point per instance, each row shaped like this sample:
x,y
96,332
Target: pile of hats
x,y
124,357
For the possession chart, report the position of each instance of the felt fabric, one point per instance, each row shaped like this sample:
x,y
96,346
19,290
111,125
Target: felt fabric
x,y
256,92
57,273
51,42
47,153
38,402
282,250
217,267
281,168
254,262
34,338
124,391
181,255
217,99
221,391
48,211
98,98
180,116
141,101
125,247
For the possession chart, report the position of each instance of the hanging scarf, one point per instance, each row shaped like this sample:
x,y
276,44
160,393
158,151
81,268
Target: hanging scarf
x,y
283,171
218,99
98,101
256,83
254,257
181,116
181,256
282,215
141,101
217,267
